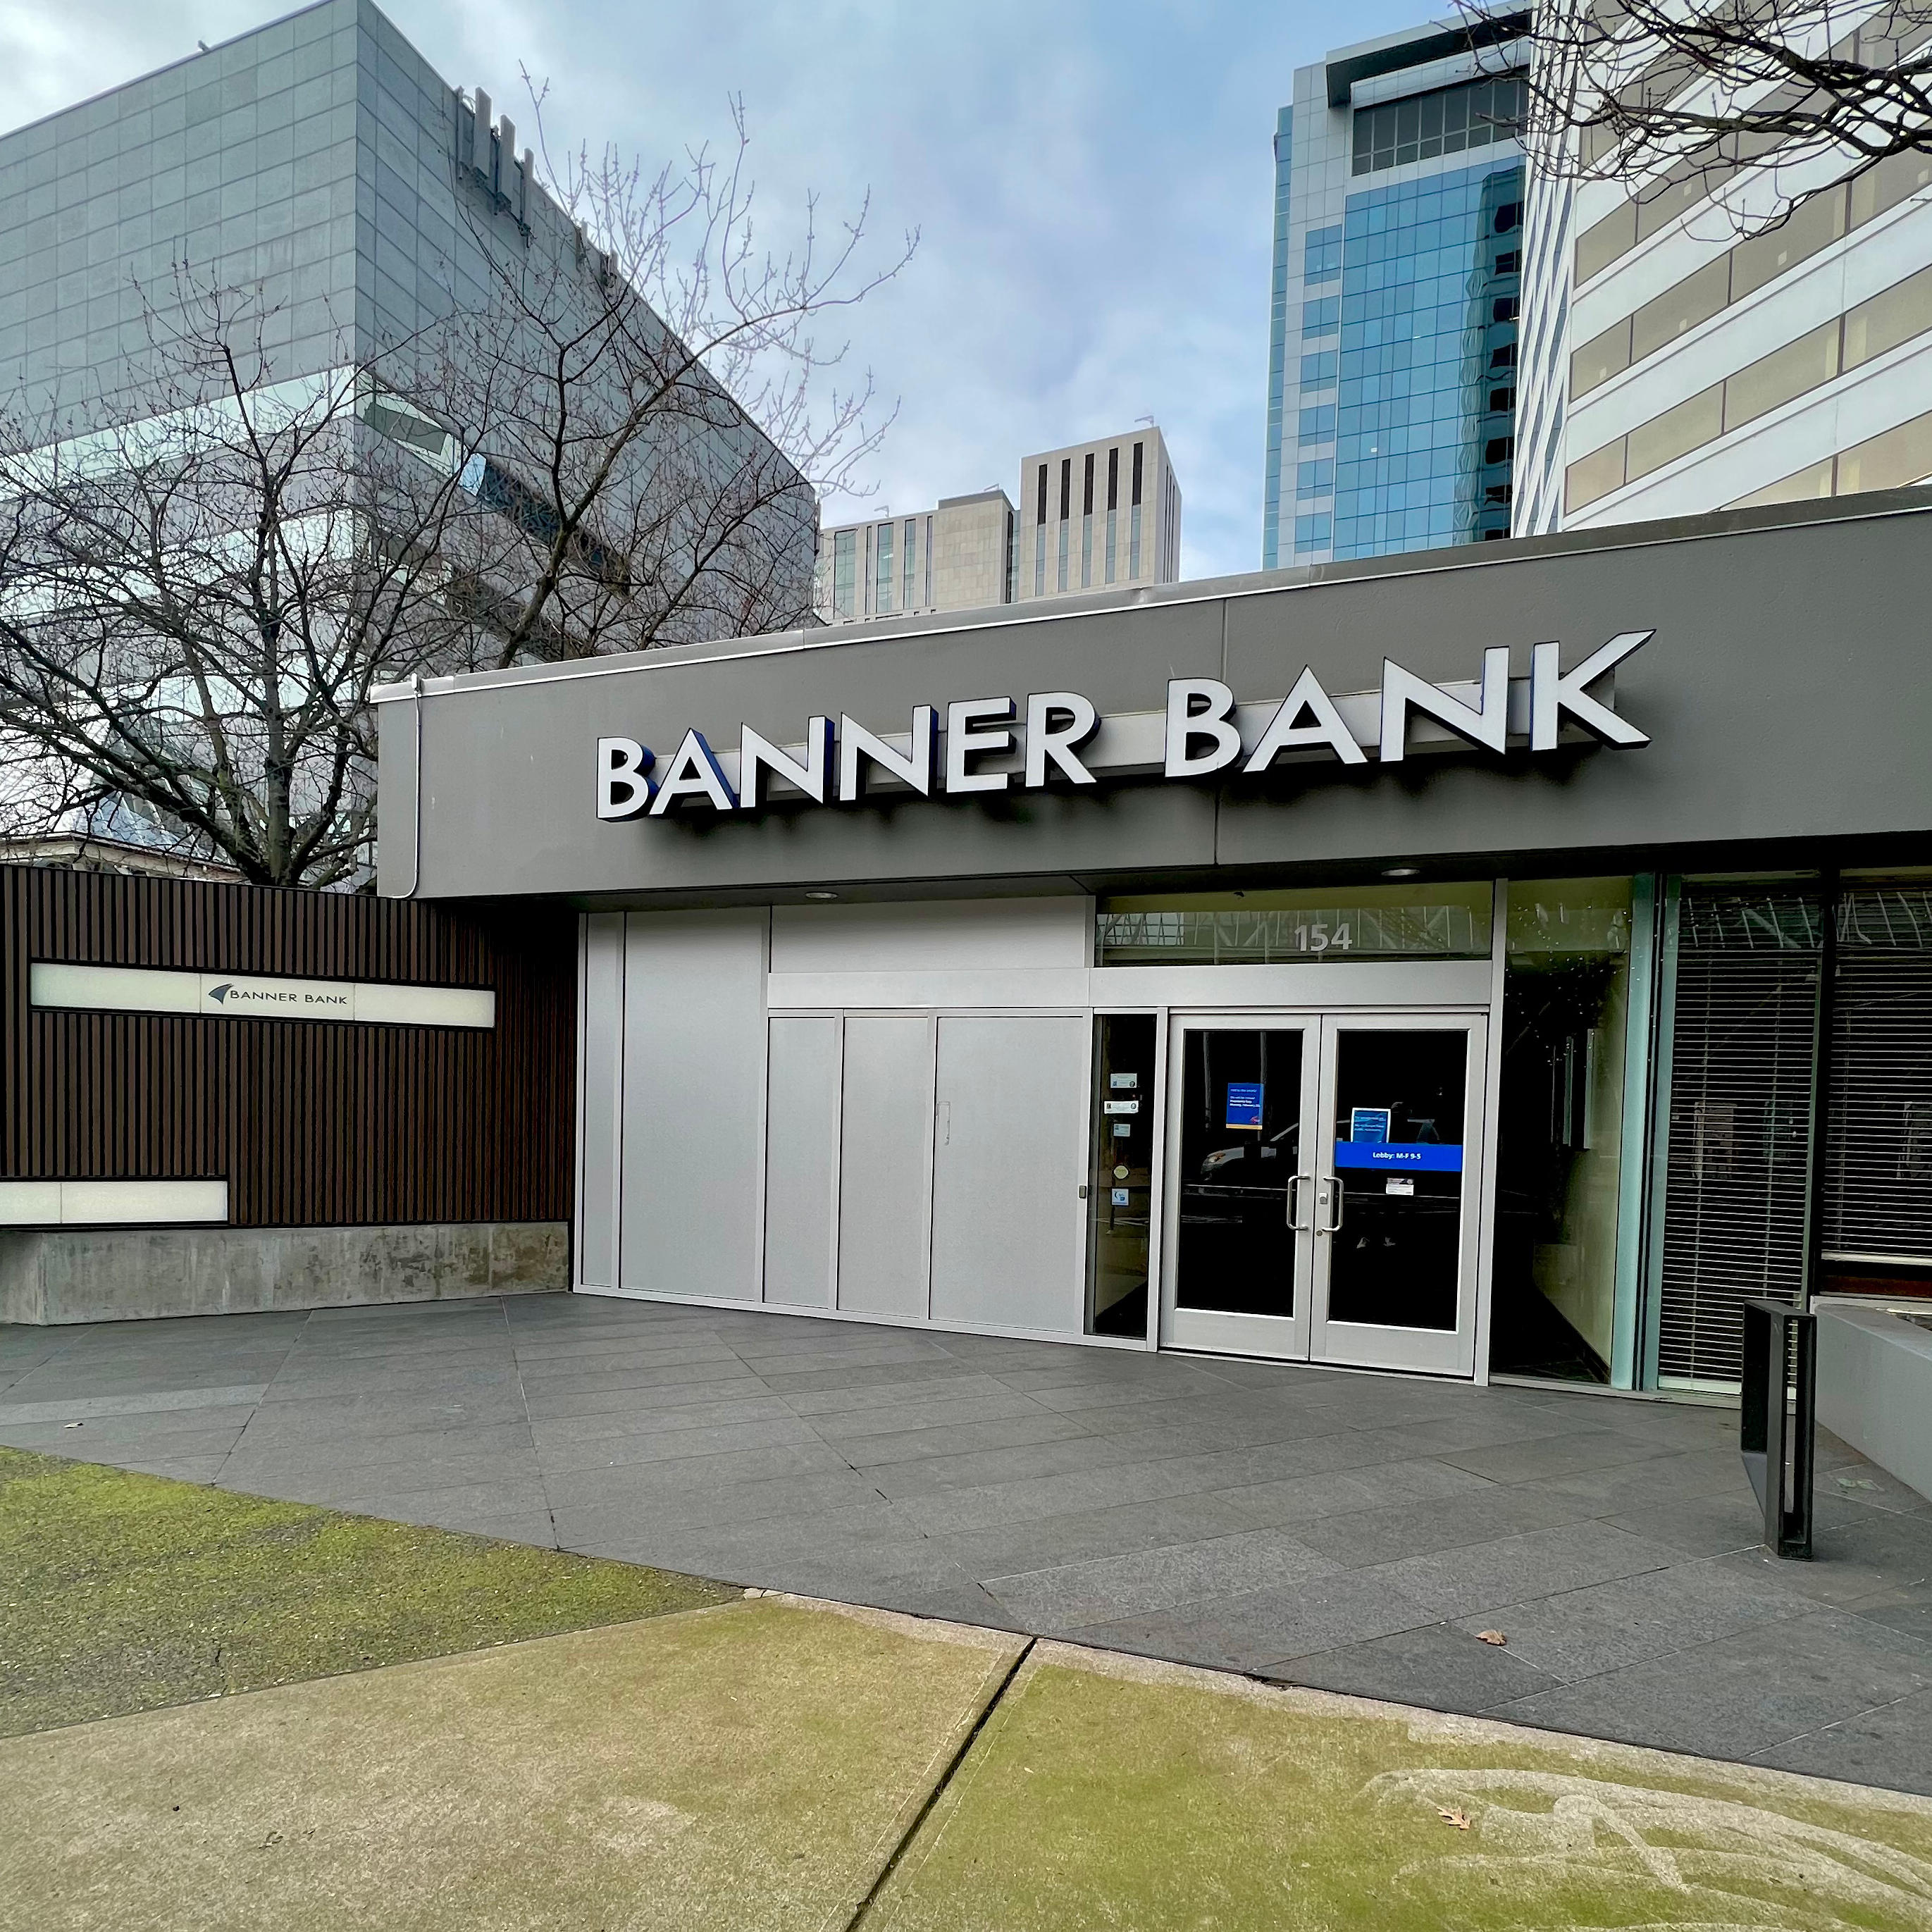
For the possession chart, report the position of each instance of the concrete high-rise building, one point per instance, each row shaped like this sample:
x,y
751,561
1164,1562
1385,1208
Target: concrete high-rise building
x,y
1670,367
1398,189
1096,515
320,163
956,556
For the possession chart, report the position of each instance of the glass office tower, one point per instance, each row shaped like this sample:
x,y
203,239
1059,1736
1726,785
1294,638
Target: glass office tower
x,y
1398,189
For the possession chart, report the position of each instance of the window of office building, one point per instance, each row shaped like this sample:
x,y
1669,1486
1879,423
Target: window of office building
x,y
882,589
1451,120
845,573
1039,539
1113,509
1322,255
1086,524
1424,435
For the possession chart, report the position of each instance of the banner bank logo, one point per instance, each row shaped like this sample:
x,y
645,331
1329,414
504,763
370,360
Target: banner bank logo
x,y
1062,739
231,997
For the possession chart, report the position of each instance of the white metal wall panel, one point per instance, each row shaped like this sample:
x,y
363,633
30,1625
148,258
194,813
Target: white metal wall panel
x,y
885,1165
693,1103
1010,1120
600,1020
942,935
801,1160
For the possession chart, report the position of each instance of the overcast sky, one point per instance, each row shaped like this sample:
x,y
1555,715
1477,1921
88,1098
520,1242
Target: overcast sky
x,y
1092,183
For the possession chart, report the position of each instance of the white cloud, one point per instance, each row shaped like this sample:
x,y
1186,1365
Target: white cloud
x,y
1093,183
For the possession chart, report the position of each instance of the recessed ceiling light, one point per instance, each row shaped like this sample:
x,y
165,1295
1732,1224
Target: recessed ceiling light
x,y
1401,871
821,895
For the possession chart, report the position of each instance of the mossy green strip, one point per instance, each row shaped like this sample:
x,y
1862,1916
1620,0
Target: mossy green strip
x,y
1103,1793
121,1592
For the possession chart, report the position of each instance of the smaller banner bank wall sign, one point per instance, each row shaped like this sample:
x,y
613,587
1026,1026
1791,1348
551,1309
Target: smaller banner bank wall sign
x,y
996,745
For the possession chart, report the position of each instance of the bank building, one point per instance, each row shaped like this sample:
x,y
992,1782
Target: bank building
x,y
1498,961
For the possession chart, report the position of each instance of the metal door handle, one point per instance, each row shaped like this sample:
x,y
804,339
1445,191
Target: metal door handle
x,y
1341,1199
1295,1187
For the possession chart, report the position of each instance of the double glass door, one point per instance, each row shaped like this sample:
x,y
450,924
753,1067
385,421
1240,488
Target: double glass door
x,y
1322,1195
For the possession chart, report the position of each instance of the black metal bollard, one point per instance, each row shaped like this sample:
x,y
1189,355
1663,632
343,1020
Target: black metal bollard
x,y
1775,1333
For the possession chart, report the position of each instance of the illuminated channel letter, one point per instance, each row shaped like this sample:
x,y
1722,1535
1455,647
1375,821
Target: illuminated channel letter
x,y
1057,724
693,772
758,756
623,791
913,768
974,726
1402,691
1200,707
1285,732
1551,693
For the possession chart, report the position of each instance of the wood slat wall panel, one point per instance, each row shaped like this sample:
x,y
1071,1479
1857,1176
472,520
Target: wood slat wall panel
x,y
312,1124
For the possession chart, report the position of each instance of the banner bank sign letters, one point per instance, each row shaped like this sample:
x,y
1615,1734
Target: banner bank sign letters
x,y
1204,731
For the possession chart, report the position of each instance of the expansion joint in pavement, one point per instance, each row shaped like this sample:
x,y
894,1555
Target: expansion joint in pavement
x,y
916,1823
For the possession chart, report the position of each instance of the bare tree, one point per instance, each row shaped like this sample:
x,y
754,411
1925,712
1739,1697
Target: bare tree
x,y
1795,95
653,380
194,605
611,439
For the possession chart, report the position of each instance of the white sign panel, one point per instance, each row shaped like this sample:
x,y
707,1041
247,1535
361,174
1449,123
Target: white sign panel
x,y
141,989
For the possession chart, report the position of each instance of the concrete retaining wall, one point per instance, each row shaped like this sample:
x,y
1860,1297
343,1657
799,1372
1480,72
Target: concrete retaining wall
x,y
1875,1386
62,1275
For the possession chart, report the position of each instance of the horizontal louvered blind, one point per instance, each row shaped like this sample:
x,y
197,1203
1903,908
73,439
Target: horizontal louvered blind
x,y
1878,1186
1739,1154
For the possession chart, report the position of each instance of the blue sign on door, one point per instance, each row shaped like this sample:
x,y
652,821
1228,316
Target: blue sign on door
x,y
1401,1157
1244,1103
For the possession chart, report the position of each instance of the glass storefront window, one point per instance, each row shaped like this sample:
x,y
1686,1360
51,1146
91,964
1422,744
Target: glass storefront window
x,y
1120,1192
1413,921
1566,1008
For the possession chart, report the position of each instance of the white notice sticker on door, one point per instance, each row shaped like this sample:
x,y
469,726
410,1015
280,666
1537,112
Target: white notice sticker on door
x,y
1399,1183
1121,1106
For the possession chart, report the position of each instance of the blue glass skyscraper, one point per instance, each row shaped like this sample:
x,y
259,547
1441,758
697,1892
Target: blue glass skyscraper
x,y
1397,262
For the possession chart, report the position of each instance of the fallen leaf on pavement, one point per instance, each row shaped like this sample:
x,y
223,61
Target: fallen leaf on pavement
x,y
1495,1637
1455,1815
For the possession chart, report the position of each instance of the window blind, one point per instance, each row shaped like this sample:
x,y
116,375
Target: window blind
x,y
1743,1046
1878,1170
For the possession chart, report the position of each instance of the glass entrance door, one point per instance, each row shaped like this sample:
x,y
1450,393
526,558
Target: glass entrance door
x,y
1322,1197
1397,1147
1241,1192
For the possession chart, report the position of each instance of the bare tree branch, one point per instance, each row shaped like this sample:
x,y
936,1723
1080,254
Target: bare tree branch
x,y
1784,98
618,446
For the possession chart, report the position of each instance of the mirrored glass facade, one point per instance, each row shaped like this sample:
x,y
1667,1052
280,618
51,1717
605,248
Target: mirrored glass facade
x,y
1426,404
1391,422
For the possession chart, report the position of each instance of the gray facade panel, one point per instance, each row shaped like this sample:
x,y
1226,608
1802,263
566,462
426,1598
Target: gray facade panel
x,y
1785,692
515,832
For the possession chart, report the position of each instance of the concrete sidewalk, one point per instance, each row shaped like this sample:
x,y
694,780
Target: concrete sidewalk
x,y
1354,1532
778,1764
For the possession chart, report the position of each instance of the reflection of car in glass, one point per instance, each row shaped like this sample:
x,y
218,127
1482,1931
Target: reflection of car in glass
x,y
1241,1164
